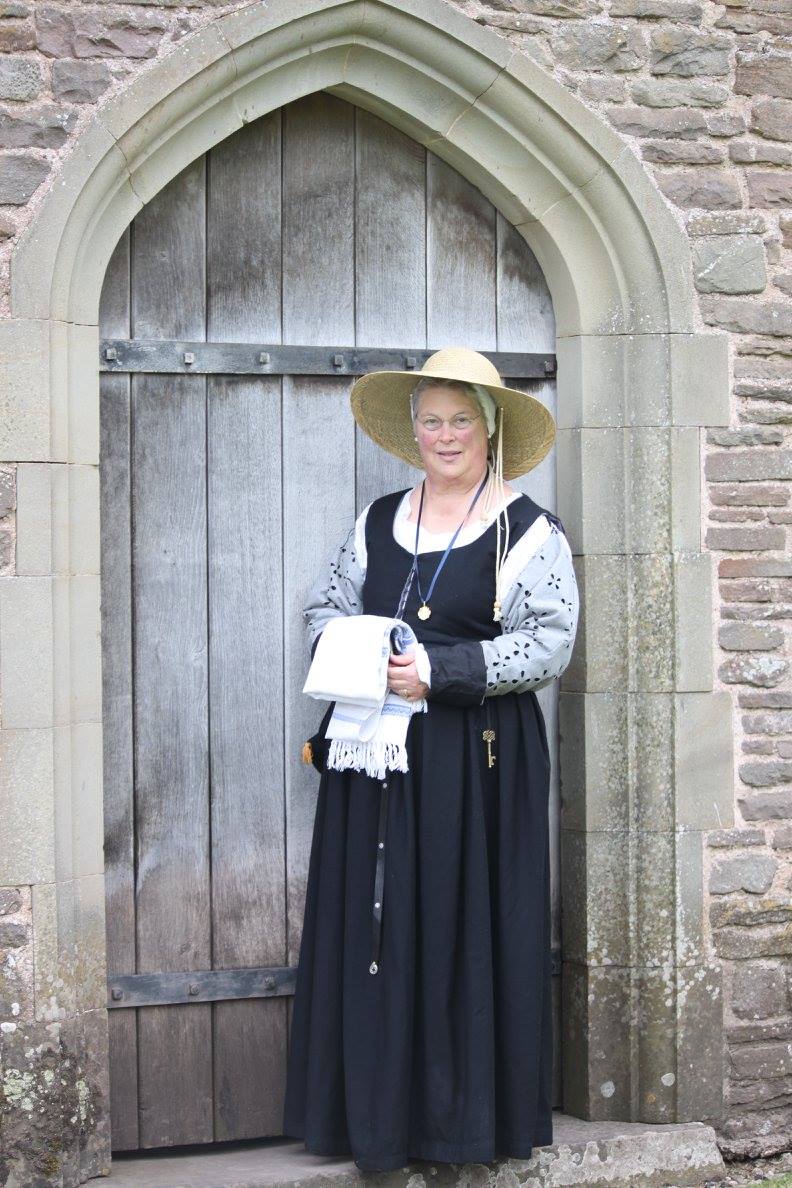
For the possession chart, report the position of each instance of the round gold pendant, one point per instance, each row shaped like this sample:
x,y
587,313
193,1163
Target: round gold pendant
x,y
424,612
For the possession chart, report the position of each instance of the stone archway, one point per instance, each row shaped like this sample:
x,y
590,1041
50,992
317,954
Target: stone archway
x,y
646,747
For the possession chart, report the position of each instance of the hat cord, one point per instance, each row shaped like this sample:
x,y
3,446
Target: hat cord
x,y
500,554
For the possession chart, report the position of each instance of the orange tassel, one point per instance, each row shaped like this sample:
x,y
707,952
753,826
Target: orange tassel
x,y
307,752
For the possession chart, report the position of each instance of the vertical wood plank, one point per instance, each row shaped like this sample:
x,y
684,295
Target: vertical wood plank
x,y
116,621
318,429
460,261
246,628
526,322
390,251
170,668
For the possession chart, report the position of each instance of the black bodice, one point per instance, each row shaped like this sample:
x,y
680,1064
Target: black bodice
x,y
463,598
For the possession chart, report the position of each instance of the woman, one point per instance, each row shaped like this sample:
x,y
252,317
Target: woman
x,y
422,1024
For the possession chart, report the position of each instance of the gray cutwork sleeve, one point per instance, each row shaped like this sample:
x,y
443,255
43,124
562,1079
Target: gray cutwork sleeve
x,y
339,588
540,617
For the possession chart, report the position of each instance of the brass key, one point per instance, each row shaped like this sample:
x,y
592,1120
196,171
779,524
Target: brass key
x,y
489,738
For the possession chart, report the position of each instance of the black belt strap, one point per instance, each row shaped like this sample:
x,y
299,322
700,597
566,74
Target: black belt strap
x,y
379,880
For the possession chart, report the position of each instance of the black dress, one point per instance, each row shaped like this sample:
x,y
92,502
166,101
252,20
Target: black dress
x,y
445,1053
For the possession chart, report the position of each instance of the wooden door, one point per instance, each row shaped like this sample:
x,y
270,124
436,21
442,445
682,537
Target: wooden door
x,y
226,478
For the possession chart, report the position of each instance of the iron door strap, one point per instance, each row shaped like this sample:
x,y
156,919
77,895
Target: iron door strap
x,y
172,356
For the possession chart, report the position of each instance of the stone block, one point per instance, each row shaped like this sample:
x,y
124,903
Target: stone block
x,y
89,33
80,81
87,822
764,74
729,264
754,567
727,222
651,653
749,465
689,52
672,92
655,1038
745,315
749,637
700,379
745,437
649,465
594,770
55,945
751,669
595,913
685,11
681,152
654,898
607,375
49,127
748,152
701,1074
726,123
772,118
703,760
767,723
743,872
762,700
740,836
758,991
24,384
764,775
685,490
684,123
613,48
599,658
734,540
782,838
85,681
592,512
693,608
766,189
91,969
34,519
26,806
20,177
766,806
83,520
700,187
690,942
596,1060
20,79
26,645
765,1061
650,745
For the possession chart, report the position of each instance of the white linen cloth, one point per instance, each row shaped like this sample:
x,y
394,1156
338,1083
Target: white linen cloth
x,y
368,727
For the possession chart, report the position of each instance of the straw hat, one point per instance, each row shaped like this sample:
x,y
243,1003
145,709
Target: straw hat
x,y
381,406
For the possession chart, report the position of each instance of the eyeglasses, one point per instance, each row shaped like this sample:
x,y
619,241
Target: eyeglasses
x,y
460,422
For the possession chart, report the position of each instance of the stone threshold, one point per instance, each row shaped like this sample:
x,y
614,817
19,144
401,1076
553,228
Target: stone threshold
x,y
598,1154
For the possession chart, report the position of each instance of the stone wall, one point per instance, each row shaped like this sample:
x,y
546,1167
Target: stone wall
x,y
703,93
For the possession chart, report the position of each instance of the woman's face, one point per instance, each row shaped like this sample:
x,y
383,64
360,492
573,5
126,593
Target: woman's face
x,y
450,452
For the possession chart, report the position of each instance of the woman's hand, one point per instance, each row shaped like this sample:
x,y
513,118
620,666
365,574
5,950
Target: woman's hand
x,y
403,678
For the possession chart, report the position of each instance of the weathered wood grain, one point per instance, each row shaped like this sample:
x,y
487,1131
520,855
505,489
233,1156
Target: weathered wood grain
x,y
117,739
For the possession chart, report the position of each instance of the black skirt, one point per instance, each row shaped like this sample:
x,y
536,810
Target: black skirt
x,y
446,1052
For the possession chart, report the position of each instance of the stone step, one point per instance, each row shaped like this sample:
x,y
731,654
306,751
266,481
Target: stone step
x,y
597,1154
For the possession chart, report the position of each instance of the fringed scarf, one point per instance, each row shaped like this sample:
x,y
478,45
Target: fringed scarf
x,y
368,727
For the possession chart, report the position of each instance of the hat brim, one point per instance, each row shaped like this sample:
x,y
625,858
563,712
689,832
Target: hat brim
x,y
381,406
